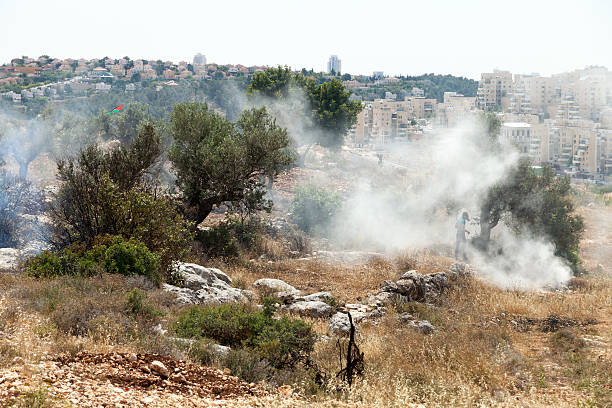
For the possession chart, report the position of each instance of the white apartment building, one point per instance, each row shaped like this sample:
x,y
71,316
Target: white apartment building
x,y
386,119
199,59
455,108
568,116
334,64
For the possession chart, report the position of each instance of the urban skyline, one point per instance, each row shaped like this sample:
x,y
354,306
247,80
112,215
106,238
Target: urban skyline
x,y
462,39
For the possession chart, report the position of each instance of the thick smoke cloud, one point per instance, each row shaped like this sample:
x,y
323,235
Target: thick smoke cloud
x,y
426,186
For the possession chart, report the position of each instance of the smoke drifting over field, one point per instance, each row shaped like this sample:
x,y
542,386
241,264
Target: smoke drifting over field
x,y
412,201
415,197
440,177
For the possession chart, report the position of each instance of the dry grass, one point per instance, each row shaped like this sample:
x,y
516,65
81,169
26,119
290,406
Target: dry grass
x,y
346,283
69,315
478,355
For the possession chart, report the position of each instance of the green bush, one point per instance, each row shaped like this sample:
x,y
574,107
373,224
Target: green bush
x,y
70,261
218,241
281,342
137,304
228,238
313,208
113,193
284,342
130,258
228,324
116,255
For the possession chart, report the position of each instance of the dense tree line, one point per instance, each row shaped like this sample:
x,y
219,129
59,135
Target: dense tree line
x,y
433,85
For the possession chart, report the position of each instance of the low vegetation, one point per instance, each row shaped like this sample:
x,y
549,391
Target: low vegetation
x,y
111,255
281,343
313,208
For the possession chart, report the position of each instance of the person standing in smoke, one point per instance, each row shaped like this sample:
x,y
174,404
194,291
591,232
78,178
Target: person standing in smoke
x,y
461,238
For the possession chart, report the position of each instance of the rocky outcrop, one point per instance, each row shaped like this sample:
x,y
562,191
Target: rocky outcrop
x,y
318,296
205,286
415,287
275,287
314,305
410,287
314,308
9,258
340,325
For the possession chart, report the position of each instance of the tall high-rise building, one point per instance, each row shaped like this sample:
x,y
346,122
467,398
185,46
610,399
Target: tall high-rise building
x,y
199,59
493,89
334,64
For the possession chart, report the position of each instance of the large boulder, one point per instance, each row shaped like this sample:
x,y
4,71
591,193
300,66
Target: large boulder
x,y
271,287
9,258
314,308
339,323
320,297
205,286
195,276
459,270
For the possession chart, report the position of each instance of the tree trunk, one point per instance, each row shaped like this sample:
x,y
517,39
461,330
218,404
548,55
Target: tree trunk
x,y
485,228
302,161
270,182
23,170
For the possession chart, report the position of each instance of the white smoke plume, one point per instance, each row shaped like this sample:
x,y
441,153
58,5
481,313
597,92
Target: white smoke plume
x,y
413,200
527,262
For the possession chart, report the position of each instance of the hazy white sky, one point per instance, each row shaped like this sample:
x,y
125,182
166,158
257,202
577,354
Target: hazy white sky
x,y
460,37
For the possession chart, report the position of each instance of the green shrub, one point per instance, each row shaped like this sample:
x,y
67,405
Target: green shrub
x,y
113,193
228,238
282,343
130,258
115,256
137,304
71,261
313,208
229,324
218,241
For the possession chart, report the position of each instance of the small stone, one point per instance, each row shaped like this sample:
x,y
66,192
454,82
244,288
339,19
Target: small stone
x,y
180,378
423,326
159,368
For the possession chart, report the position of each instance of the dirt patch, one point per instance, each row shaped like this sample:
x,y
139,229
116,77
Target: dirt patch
x,y
134,371
548,324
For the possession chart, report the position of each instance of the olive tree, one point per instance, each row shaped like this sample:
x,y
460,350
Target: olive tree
x,y
217,161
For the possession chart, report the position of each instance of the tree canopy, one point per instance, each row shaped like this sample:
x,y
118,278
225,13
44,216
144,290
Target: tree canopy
x,y
273,82
539,204
326,106
218,161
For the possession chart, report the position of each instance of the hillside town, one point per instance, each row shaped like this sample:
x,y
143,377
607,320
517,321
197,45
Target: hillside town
x,y
564,120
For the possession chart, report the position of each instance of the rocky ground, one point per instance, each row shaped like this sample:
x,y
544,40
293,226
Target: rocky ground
x,y
455,341
128,380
